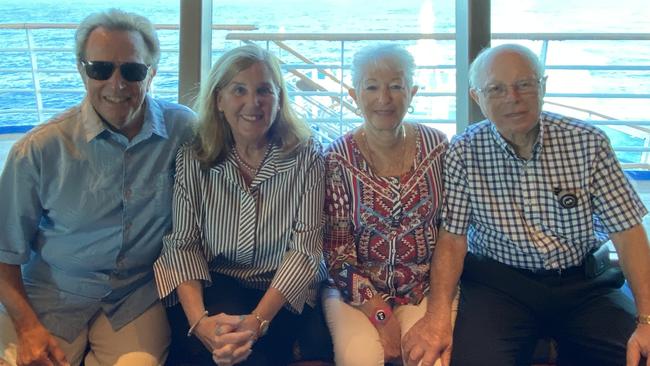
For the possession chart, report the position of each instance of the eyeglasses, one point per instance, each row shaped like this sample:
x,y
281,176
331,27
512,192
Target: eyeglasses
x,y
103,70
522,87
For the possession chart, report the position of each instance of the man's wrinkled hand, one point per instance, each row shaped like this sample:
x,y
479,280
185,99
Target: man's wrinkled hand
x,y
427,341
36,346
639,345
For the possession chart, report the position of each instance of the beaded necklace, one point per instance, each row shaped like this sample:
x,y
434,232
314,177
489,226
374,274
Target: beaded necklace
x,y
251,170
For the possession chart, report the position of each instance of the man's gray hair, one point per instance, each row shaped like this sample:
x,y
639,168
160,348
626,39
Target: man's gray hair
x,y
374,55
477,68
118,20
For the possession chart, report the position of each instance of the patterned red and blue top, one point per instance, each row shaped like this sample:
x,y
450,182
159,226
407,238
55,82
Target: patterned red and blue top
x,y
380,232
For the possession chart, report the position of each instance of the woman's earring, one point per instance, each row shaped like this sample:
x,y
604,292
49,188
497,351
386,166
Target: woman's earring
x,y
410,109
357,111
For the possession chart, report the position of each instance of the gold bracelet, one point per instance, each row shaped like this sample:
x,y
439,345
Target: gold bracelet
x,y
643,319
189,332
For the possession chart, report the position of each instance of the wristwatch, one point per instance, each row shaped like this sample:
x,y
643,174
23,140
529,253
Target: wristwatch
x,y
643,319
380,315
264,324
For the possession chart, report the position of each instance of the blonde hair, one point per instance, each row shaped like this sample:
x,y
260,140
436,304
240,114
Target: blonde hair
x,y
214,136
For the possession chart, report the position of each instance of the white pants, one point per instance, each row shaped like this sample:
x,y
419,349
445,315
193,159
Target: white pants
x,y
356,340
144,341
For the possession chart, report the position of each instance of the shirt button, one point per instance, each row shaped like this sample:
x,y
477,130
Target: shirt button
x,y
127,194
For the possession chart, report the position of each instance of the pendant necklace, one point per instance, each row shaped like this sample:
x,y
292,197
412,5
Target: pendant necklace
x,y
401,156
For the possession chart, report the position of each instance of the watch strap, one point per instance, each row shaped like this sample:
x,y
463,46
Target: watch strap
x,y
380,315
643,319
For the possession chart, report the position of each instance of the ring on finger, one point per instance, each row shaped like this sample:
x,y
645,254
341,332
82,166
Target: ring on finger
x,y
218,330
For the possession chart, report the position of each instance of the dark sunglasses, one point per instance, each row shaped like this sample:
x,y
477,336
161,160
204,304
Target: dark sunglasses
x,y
103,70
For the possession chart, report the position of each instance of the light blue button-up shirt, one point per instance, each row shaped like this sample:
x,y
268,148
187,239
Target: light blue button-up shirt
x,y
84,212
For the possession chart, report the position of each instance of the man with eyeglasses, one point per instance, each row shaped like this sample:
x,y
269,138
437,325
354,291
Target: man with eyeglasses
x,y
533,196
86,200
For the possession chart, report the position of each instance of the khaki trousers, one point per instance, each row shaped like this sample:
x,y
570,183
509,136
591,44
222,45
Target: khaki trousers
x,y
356,340
144,341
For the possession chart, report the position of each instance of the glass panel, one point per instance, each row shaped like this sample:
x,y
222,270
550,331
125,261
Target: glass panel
x,y
603,76
49,48
316,40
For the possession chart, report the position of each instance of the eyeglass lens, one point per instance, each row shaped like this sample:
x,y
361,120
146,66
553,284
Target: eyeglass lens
x,y
103,70
524,86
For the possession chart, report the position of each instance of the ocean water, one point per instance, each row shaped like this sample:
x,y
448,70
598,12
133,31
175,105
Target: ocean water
x,y
57,72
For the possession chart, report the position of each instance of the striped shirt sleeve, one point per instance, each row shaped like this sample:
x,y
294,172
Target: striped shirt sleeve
x,y
305,249
182,257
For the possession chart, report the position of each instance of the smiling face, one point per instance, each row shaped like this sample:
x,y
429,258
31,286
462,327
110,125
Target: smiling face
x,y
514,114
250,103
117,101
383,96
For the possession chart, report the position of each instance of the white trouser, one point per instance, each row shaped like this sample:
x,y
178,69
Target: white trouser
x,y
356,340
144,341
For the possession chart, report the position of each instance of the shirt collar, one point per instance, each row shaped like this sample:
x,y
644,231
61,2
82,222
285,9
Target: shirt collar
x,y
154,122
92,124
503,144
274,164
154,113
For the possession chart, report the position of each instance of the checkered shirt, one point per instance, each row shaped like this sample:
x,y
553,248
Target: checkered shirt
x,y
510,208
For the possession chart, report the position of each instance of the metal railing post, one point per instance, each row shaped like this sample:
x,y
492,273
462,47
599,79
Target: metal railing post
x,y
35,80
195,48
472,35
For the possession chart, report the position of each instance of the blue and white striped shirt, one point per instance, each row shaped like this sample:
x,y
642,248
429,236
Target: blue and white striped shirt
x,y
268,234
509,207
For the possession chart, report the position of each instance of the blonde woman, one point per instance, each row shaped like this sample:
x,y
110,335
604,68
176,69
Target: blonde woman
x,y
245,255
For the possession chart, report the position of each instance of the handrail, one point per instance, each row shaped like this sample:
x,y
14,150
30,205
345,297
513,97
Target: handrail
x,y
304,59
226,27
258,36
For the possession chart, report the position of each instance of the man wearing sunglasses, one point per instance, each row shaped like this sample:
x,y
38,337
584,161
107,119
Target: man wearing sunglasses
x,y
531,197
86,200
